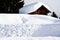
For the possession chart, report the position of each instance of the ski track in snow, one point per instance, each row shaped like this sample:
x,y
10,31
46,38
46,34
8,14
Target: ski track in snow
x,y
28,29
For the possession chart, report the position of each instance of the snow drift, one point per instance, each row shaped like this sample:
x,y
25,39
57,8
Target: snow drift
x,y
23,25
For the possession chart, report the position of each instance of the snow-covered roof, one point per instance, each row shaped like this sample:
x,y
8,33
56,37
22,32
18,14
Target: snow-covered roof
x,y
21,0
32,7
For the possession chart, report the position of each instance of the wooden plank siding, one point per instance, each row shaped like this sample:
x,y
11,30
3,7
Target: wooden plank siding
x,y
42,10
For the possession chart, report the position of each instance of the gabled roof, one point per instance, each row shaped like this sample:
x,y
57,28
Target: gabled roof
x,y
32,7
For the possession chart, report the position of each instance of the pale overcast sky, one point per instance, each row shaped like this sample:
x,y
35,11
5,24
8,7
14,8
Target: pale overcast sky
x,y
53,4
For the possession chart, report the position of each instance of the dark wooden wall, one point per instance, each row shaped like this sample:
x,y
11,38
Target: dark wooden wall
x,y
42,10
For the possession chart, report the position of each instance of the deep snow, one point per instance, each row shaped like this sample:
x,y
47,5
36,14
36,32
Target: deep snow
x,y
23,25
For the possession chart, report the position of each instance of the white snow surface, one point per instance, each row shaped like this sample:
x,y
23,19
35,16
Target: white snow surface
x,y
31,38
24,25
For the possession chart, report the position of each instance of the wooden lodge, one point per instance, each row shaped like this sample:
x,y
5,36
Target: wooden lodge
x,y
42,10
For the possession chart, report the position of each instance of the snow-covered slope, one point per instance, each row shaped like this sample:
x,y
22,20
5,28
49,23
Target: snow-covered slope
x,y
40,19
47,30
23,25
10,19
